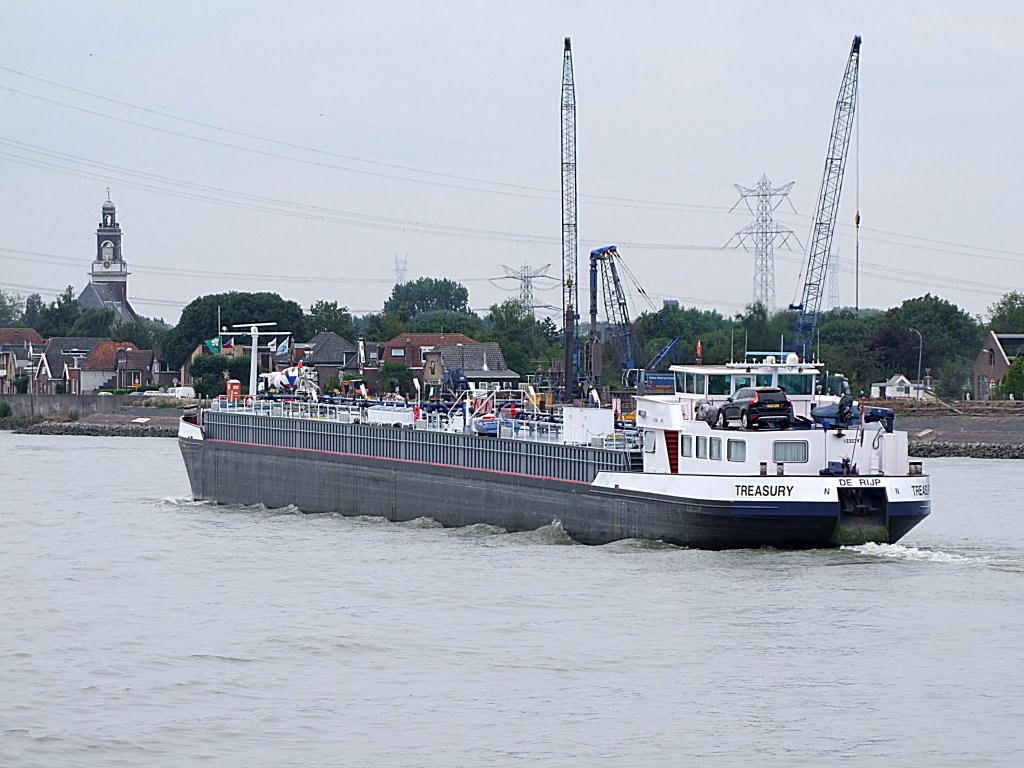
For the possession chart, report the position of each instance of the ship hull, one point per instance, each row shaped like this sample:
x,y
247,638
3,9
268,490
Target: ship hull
x,y
398,490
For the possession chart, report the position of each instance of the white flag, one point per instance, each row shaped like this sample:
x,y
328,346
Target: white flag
x,y
282,348
273,344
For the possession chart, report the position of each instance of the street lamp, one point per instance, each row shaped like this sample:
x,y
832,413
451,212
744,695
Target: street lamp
x,y
920,346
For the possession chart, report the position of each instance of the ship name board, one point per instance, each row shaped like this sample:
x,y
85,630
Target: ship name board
x,y
764,490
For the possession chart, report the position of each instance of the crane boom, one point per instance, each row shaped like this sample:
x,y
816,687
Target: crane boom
x,y
828,205
570,289
620,326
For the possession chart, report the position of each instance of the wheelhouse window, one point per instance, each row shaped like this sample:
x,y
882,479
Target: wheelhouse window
x,y
737,450
650,441
797,383
763,380
702,447
687,445
789,451
718,384
716,449
738,382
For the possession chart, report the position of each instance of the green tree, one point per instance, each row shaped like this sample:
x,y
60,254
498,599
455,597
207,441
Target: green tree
x,y
208,375
33,310
523,339
1013,380
144,333
59,317
199,320
328,316
394,377
444,321
1007,314
239,367
94,322
948,335
380,327
425,295
11,308
653,330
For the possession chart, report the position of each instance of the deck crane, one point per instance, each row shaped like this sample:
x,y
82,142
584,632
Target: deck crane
x,y
828,205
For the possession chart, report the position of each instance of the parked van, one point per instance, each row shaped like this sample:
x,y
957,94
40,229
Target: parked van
x,y
182,393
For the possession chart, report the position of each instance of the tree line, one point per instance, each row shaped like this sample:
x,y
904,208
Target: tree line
x,y
868,345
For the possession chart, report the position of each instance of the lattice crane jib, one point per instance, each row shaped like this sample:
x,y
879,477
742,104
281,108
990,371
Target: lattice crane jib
x,y
570,286
828,205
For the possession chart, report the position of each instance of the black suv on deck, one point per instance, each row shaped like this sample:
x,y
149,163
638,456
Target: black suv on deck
x,y
756,406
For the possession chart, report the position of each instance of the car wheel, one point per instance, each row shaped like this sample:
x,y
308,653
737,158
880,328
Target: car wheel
x,y
745,419
720,421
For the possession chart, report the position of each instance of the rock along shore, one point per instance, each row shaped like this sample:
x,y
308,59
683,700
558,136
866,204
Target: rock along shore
x,y
923,450
37,427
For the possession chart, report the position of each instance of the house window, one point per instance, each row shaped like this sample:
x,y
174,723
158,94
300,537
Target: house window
x,y
789,451
702,447
433,368
737,450
398,352
716,448
687,445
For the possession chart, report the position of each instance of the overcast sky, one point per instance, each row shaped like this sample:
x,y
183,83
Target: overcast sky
x,y
299,147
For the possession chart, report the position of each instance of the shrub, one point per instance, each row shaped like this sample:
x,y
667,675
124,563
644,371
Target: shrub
x,y
5,409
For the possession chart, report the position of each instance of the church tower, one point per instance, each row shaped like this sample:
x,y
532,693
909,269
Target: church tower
x,y
108,275
109,268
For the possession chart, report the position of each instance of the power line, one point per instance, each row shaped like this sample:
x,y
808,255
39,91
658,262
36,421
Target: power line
x,y
763,234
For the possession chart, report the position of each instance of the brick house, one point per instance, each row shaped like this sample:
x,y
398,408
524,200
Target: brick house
x,y
17,346
411,349
482,364
993,361
332,357
60,365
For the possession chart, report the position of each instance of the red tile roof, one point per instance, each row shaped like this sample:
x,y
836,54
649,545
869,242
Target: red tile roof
x,y
20,336
104,356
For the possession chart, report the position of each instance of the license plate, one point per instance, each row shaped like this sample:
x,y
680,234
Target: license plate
x,y
773,405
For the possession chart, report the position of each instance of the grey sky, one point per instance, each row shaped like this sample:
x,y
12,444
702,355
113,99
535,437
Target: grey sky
x,y
297,148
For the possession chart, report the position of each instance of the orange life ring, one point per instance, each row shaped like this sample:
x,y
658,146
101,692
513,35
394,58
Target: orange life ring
x,y
248,401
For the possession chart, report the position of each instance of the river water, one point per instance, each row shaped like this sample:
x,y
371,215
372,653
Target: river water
x,y
139,628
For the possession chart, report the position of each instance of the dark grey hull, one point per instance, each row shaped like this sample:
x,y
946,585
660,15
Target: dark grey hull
x,y
315,481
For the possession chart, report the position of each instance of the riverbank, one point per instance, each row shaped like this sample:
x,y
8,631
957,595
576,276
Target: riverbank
x,y
43,427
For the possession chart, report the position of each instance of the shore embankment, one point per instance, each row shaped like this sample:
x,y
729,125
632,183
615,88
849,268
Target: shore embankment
x,y
44,427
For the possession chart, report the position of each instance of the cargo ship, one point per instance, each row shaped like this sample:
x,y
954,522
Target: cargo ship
x,y
829,473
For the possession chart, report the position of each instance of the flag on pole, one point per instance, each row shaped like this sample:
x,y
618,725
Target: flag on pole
x,y
213,345
272,344
229,344
282,348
